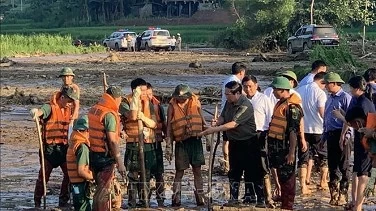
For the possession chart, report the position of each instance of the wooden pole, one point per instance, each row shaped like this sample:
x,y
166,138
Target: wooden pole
x,y
312,3
105,85
141,157
42,161
211,161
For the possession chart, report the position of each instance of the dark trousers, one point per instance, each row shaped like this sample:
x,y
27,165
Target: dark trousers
x,y
64,189
338,160
245,156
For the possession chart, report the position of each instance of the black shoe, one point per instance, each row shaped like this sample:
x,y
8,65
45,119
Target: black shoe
x,y
64,204
231,203
261,204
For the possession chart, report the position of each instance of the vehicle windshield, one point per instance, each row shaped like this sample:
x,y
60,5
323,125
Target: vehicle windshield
x,y
161,33
324,31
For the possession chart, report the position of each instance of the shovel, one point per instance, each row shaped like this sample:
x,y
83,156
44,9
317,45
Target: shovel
x,y
42,161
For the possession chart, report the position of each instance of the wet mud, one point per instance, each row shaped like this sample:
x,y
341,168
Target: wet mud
x,y
31,80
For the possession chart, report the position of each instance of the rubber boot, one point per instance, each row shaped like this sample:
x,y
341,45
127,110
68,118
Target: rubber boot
x,y
132,194
234,191
302,178
334,193
268,192
176,196
324,181
200,197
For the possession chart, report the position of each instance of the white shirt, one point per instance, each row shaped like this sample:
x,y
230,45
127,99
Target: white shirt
x,y
173,41
269,93
263,111
229,79
307,79
313,98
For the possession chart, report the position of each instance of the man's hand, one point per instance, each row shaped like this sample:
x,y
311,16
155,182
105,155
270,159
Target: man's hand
x,y
368,132
342,141
121,169
339,113
290,158
208,131
214,122
33,113
304,145
140,115
137,92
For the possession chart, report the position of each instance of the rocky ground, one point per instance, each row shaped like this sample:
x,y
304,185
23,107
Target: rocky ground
x,y
30,80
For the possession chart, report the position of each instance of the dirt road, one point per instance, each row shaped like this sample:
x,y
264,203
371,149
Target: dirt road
x,y
30,81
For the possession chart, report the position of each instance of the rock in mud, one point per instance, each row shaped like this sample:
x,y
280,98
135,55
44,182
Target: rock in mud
x,y
5,62
195,64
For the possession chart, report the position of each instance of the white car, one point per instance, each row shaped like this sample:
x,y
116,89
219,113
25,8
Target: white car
x,y
155,39
118,40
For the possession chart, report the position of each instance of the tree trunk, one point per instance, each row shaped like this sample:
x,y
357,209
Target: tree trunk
x,y
103,12
121,8
87,11
312,3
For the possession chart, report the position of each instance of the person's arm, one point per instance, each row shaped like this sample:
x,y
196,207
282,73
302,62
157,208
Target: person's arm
x,y
170,111
294,118
113,138
83,170
201,113
43,112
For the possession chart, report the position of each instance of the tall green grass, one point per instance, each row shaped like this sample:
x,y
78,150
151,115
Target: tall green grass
x,y
12,45
189,33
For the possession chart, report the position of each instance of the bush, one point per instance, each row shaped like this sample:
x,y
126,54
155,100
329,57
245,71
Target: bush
x,y
12,45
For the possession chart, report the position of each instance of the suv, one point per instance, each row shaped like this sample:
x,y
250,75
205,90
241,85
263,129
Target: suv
x,y
155,39
309,35
118,40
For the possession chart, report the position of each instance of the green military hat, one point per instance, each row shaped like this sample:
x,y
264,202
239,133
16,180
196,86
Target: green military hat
x,y
281,82
333,77
182,91
81,123
66,71
114,91
290,74
69,92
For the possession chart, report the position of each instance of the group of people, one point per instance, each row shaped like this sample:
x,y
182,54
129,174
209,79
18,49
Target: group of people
x,y
290,124
293,125
89,152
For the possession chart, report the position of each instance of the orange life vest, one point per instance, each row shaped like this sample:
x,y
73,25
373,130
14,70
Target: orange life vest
x,y
278,124
370,123
188,123
157,111
97,133
55,128
131,126
77,138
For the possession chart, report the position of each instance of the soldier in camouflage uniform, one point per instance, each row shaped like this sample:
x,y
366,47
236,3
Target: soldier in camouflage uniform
x,y
283,138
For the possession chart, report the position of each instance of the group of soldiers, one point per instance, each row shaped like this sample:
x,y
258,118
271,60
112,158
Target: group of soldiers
x,y
265,135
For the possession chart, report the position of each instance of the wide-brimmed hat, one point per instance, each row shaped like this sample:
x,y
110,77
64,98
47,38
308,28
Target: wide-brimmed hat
x,y
69,92
81,123
66,71
333,77
281,82
182,91
290,74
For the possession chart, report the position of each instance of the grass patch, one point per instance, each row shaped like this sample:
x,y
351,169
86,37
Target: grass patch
x,y
12,45
357,33
190,33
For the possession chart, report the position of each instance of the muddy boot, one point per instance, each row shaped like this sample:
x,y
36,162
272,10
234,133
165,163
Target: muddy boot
x,y
176,196
132,194
324,181
334,193
200,198
302,177
343,196
268,192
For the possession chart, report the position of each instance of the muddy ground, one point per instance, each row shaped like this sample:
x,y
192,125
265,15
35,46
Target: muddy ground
x,y
30,81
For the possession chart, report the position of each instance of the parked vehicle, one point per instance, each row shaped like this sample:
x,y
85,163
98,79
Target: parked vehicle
x,y
155,39
118,40
309,35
